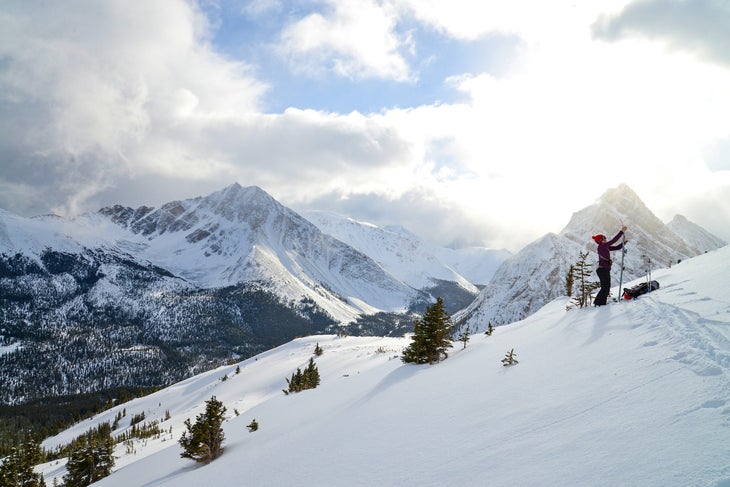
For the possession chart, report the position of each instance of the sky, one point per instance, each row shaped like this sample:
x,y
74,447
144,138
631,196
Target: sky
x,y
635,393
468,122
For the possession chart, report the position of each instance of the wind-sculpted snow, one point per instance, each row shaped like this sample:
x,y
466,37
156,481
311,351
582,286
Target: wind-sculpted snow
x,y
633,393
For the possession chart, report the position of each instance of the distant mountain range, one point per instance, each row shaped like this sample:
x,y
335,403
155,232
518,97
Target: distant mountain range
x,y
154,294
146,296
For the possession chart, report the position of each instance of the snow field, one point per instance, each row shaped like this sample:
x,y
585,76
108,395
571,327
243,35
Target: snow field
x,y
634,393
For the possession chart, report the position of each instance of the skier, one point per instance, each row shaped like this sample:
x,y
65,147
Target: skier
x,y
604,263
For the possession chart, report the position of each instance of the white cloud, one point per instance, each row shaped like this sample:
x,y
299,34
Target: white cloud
x,y
103,101
103,81
353,38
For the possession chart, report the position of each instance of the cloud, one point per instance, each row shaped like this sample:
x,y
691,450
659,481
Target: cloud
x,y
699,26
419,210
353,38
101,103
259,8
717,155
89,89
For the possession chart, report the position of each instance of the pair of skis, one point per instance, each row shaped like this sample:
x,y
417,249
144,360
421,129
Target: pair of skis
x,y
621,274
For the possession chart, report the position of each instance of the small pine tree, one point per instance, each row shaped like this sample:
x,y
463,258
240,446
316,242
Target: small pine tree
x,y
318,350
510,359
490,329
203,440
464,336
253,426
581,273
311,375
431,336
569,280
299,381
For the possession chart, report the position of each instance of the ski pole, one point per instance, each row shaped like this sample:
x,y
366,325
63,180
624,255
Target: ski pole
x,y
621,273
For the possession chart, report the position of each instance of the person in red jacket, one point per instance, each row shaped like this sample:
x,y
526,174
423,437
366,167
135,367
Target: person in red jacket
x,y
604,263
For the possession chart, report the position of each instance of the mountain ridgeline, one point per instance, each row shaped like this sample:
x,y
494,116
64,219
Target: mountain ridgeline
x,y
144,297
129,298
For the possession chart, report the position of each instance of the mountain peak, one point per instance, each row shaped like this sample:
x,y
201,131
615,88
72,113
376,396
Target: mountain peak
x,y
694,235
622,200
235,202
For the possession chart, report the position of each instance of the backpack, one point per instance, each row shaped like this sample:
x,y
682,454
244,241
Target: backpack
x,y
639,289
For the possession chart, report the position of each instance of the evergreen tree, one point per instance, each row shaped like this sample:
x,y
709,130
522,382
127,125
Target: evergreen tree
x,y
510,359
431,336
318,350
416,351
91,458
203,440
569,280
490,329
17,467
581,274
299,381
311,375
464,336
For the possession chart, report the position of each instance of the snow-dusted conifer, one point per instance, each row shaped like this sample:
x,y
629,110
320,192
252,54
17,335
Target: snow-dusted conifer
x,y
431,336
92,457
464,336
17,467
510,359
299,381
581,274
203,441
569,281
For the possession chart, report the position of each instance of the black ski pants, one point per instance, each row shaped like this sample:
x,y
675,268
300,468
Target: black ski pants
x,y
604,275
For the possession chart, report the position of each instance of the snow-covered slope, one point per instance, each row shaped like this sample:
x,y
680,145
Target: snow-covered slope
x,y
636,393
536,274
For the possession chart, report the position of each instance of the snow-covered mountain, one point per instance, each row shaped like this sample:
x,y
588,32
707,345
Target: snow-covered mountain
x,y
409,257
694,235
421,265
166,290
635,393
536,274
244,235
